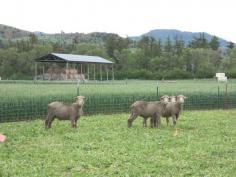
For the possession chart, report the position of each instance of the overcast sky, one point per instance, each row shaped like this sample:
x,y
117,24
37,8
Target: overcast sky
x,y
124,17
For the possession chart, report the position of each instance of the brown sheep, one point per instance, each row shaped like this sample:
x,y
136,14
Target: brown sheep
x,y
172,99
64,111
174,104
173,109
165,99
146,109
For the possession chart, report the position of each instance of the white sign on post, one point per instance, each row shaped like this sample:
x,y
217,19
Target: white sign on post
x,y
221,77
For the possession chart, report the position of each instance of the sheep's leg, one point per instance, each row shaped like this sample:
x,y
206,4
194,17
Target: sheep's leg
x,y
76,119
174,123
177,116
48,121
158,121
154,120
132,117
174,120
167,121
145,122
74,122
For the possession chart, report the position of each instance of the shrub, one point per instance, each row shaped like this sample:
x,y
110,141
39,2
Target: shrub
x,y
177,74
231,73
135,74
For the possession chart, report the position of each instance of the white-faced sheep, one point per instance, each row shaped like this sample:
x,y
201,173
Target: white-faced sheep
x,y
171,99
146,109
165,99
64,111
173,109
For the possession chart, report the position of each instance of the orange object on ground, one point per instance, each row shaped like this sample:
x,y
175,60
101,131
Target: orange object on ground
x,y
175,132
2,138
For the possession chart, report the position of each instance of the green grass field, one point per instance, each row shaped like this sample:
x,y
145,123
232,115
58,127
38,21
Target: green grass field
x,y
104,146
129,87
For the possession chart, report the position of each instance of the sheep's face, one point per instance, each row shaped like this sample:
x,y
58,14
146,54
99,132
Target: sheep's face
x,y
181,98
172,99
80,100
165,98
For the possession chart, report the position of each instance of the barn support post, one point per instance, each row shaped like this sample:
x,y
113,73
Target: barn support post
x,y
81,68
43,72
101,72
67,70
112,72
88,70
94,70
107,72
35,71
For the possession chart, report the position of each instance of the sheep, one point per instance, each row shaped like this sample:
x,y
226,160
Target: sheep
x,y
146,109
172,99
64,111
165,99
173,109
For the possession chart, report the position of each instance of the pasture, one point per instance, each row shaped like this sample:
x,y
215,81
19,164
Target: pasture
x,y
102,145
27,89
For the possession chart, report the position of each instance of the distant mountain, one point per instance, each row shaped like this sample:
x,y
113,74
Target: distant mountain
x,y
163,34
39,33
11,33
8,32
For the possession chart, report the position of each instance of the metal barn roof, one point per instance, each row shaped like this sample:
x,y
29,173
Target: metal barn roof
x,y
64,58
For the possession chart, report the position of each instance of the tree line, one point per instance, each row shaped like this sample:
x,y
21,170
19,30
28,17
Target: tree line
x,y
146,58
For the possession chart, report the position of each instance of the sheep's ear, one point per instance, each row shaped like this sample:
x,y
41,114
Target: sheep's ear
x,y
185,97
84,98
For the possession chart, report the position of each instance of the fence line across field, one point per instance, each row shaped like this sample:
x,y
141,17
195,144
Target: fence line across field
x,y
19,101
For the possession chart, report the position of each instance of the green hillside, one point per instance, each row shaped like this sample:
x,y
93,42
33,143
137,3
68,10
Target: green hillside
x,y
8,32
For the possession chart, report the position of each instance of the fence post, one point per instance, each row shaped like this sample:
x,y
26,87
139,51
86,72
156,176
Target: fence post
x,y
226,95
78,87
157,89
218,99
